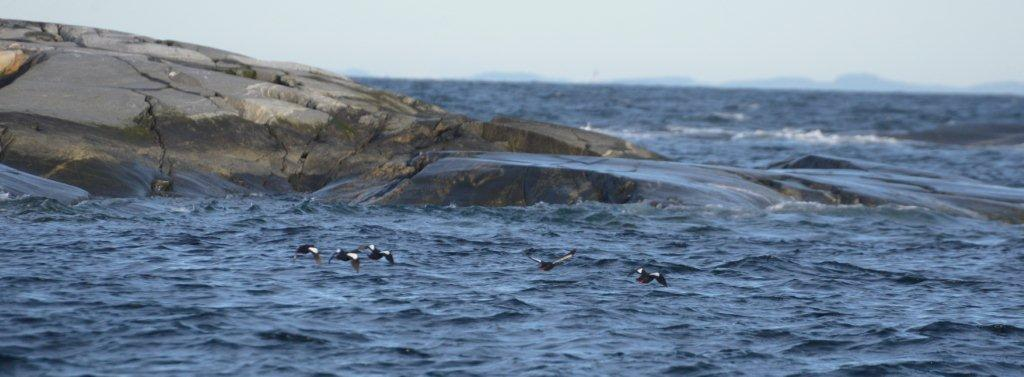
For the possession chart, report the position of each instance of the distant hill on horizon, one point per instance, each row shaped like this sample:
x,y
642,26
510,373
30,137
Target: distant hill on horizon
x,y
853,82
512,77
864,82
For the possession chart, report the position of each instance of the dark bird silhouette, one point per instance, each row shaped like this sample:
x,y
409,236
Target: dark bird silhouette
x,y
547,266
376,253
346,256
646,277
307,249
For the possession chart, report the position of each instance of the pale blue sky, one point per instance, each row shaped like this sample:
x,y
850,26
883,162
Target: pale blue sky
x,y
940,42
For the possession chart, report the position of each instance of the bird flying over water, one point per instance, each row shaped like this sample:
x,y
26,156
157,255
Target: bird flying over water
x,y
547,266
376,253
346,256
646,277
307,249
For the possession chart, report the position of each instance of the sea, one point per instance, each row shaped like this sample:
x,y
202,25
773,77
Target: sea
x,y
175,286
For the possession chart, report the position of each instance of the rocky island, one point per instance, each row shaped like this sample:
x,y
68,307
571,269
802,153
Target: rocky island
x,y
88,112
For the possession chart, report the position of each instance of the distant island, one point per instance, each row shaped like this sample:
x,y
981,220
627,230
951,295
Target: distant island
x,y
854,82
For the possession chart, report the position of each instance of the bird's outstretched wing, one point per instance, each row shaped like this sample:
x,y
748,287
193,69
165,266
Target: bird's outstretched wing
x,y
355,264
527,254
390,257
298,251
316,257
660,278
565,257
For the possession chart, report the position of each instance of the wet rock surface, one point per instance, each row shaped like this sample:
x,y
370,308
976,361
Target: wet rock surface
x,y
14,183
499,179
972,134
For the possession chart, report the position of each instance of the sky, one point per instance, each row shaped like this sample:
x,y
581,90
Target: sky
x,y
935,42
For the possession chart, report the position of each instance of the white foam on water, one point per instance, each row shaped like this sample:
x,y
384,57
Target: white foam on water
x,y
735,117
814,136
802,206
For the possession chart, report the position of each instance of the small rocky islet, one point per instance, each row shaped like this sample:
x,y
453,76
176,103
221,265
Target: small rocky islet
x,y
88,112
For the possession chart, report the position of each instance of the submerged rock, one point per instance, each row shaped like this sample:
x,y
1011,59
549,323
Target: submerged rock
x,y
972,135
500,179
536,137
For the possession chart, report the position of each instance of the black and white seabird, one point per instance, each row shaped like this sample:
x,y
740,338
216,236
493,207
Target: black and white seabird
x,y
307,249
347,256
646,277
547,266
376,253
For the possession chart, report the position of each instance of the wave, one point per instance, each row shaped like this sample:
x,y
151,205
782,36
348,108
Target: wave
x,y
787,134
816,346
289,337
814,136
948,328
723,117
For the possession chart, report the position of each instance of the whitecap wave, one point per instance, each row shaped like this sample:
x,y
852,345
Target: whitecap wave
x,y
802,206
814,137
794,135
727,117
5,195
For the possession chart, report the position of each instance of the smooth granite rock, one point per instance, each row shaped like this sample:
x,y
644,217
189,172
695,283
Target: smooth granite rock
x,y
126,115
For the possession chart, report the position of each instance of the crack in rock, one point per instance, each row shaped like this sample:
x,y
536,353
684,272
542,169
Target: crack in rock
x,y
148,119
166,84
282,145
586,144
6,140
377,131
307,149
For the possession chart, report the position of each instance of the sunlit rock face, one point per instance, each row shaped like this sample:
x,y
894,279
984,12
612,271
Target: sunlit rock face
x,y
115,113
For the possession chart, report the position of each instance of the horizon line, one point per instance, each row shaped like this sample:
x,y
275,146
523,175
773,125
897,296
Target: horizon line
x,y
796,83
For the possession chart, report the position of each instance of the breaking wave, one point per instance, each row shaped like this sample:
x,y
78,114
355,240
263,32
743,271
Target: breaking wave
x,y
795,135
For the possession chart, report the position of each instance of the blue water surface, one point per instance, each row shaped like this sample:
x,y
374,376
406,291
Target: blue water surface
x,y
201,286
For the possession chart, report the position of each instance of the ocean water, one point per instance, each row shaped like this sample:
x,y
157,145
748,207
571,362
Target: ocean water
x,y
185,286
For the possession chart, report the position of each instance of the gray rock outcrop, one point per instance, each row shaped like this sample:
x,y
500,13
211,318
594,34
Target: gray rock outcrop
x,y
125,115
86,111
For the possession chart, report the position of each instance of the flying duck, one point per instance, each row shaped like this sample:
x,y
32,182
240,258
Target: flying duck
x,y
547,266
347,256
376,253
307,249
646,277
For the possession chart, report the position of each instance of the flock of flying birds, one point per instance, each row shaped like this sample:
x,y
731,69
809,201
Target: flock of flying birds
x,y
375,253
